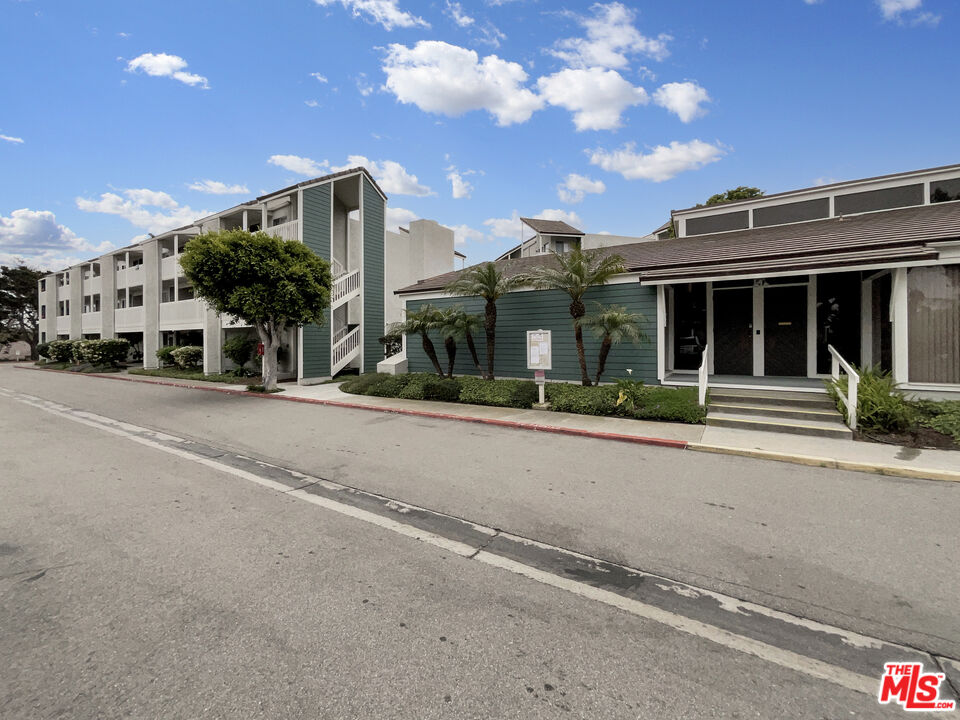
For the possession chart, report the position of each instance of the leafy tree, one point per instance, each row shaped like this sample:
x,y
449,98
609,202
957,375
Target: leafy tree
x,y
577,271
488,282
240,350
459,324
613,325
421,322
18,305
272,284
738,193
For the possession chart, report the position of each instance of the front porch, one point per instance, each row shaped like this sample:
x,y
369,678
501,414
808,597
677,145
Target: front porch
x,y
748,382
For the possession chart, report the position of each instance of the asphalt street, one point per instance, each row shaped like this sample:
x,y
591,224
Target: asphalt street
x,y
136,582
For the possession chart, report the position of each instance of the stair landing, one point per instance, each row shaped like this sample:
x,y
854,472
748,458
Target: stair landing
x,y
798,413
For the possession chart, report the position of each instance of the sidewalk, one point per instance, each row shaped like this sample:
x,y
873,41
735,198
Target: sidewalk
x,y
891,460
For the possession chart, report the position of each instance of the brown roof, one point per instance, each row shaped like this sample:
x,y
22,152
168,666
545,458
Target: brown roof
x,y
550,227
888,236
331,176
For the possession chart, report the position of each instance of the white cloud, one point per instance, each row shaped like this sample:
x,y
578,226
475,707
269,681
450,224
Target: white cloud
x,y
456,13
384,12
215,187
37,239
610,37
683,99
320,77
164,65
11,139
661,163
397,216
441,78
142,208
825,180
463,233
575,186
311,103
391,176
511,227
363,85
459,187
299,165
907,12
813,2
596,97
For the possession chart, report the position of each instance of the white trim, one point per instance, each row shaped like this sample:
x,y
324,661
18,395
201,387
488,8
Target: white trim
x,y
757,329
898,314
622,279
948,387
812,326
866,323
711,353
661,331
363,270
300,356
302,219
671,329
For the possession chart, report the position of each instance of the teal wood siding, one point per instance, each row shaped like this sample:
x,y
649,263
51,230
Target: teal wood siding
x,y
374,209
316,236
549,310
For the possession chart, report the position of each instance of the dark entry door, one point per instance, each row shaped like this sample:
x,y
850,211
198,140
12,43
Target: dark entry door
x,y
733,331
785,330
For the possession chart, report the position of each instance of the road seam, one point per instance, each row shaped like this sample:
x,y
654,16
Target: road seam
x,y
483,552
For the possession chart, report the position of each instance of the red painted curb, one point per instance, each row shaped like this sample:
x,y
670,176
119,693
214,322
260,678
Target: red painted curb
x,y
578,432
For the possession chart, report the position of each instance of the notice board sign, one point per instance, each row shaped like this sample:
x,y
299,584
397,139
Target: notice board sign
x,y
539,350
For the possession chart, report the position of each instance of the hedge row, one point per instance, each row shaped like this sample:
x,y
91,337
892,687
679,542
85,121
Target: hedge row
x,y
93,352
652,403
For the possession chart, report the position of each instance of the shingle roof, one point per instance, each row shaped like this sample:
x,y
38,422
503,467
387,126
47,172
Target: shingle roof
x,y
886,236
551,227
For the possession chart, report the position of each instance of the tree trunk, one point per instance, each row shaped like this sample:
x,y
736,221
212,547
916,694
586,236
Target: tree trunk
x,y
431,353
602,361
490,326
473,354
451,347
577,311
270,337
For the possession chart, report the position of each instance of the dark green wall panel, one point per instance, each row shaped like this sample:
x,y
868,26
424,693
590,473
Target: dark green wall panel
x,y
316,236
549,310
374,211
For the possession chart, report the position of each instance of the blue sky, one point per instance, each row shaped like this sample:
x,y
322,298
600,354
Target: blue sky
x,y
121,118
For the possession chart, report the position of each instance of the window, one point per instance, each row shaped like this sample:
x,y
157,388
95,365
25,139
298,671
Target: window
x,y
60,280
279,220
86,303
63,308
43,337
43,285
136,296
945,190
933,324
121,299
718,223
896,197
185,292
43,312
96,269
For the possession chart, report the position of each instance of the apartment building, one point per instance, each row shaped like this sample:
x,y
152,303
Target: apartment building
x,y
140,292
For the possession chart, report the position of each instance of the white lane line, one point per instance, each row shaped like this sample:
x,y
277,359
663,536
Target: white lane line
x,y
770,653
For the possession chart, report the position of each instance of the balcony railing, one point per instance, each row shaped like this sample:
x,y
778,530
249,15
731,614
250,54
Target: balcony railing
x,y
63,325
129,318
181,313
345,350
344,286
90,322
287,231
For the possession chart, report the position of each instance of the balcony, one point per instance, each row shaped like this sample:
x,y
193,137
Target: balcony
x,y
63,325
90,322
91,286
132,276
181,315
129,319
287,231
170,267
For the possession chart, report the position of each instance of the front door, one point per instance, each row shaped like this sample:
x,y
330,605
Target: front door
x,y
733,331
785,330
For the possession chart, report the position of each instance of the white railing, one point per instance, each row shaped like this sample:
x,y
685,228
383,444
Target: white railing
x,y
342,350
129,318
90,322
169,267
853,380
345,285
702,374
337,268
182,312
340,334
287,231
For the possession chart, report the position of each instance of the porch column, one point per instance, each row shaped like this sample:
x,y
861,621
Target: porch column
x,y
898,316
661,333
812,326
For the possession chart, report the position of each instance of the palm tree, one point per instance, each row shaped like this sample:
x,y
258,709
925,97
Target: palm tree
x,y
421,322
613,324
460,324
576,271
488,282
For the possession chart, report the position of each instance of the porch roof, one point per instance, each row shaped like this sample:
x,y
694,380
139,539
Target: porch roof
x,y
887,236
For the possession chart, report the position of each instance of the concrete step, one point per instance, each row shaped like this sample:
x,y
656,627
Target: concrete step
x,y
775,398
814,413
820,428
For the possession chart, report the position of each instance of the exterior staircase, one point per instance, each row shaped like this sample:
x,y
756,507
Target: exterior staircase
x,y
800,413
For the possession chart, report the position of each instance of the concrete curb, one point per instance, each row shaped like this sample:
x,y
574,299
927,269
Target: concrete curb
x,y
811,460
578,432
832,463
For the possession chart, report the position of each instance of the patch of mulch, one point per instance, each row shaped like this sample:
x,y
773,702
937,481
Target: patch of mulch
x,y
919,437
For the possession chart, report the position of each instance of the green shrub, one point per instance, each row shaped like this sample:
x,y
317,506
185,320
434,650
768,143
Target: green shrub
x,y
389,386
102,353
240,350
61,351
672,404
881,406
447,390
498,393
165,354
582,400
414,389
358,385
188,356
43,349
943,416
76,351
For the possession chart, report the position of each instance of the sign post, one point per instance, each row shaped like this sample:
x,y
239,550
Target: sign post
x,y
539,359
